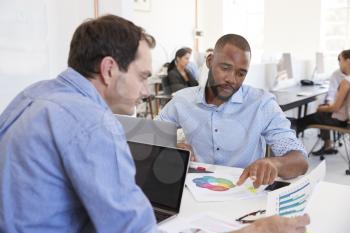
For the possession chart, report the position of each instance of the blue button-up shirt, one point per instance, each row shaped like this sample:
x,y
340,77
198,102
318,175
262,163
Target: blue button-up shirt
x,y
65,165
234,133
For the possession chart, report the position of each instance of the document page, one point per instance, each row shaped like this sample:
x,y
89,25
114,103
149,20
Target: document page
x,y
292,200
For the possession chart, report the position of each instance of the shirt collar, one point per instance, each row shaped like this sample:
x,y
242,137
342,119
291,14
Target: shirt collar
x,y
236,98
83,85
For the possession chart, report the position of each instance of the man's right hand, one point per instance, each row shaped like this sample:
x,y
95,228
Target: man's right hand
x,y
261,172
277,224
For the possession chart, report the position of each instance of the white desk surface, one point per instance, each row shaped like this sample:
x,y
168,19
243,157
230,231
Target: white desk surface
x,y
329,207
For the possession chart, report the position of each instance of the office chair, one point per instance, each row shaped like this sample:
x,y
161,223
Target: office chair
x,y
343,136
148,110
163,97
166,85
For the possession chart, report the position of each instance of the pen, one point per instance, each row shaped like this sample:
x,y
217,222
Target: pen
x,y
199,169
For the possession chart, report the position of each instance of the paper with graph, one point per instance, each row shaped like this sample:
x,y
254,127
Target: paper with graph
x,y
292,200
219,186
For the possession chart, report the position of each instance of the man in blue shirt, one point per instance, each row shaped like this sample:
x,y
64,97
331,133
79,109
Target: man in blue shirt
x,y
228,123
65,165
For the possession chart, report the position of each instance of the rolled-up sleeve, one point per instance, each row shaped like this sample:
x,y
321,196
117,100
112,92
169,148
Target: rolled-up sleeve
x,y
101,170
277,132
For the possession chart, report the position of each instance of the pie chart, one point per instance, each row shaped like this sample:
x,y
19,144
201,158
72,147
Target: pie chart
x,y
213,183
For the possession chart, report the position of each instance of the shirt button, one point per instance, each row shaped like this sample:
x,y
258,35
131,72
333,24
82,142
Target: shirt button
x,y
217,148
216,130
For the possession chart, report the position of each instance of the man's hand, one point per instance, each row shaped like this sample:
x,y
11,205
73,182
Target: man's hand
x,y
322,108
277,224
187,147
261,172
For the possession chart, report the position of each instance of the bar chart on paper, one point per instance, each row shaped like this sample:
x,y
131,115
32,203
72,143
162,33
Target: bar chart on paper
x,y
293,203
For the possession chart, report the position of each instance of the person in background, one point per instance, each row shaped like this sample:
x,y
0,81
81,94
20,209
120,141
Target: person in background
x,y
65,165
191,66
334,82
203,77
178,76
333,113
229,124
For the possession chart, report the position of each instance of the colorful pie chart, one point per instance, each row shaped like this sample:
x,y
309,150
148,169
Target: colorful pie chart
x,y
213,183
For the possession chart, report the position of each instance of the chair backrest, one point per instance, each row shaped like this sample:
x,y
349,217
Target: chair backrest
x,y
166,85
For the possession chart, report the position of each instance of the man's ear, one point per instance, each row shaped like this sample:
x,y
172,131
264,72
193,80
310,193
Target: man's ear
x,y
107,68
209,60
347,67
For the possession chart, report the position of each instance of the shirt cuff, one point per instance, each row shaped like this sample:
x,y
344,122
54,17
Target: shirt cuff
x,y
285,145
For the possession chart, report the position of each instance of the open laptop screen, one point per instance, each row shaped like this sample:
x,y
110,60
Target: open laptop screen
x,y
161,173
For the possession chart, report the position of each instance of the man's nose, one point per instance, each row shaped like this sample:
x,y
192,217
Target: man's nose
x,y
145,92
231,78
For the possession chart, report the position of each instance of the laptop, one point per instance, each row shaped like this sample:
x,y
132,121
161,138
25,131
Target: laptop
x,y
148,131
161,174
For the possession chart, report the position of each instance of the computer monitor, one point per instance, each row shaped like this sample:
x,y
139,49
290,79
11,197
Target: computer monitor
x,y
319,72
281,75
285,68
319,67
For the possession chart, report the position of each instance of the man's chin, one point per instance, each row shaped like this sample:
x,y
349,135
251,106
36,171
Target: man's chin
x,y
225,97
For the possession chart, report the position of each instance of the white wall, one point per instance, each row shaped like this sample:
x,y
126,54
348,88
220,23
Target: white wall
x,y
23,46
292,26
210,20
63,18
122,8
35,37
171,23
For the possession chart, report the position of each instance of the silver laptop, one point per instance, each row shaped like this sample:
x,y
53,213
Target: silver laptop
x,y
148,131
161,174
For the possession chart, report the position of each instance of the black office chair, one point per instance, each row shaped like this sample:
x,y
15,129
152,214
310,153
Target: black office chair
x,y
163,96
166,85
343,135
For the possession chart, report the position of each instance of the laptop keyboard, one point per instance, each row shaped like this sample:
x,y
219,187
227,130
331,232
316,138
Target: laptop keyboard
x,y
160,216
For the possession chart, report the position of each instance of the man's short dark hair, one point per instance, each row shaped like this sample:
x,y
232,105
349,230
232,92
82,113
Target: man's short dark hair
x,y
233,39
345,54
107,35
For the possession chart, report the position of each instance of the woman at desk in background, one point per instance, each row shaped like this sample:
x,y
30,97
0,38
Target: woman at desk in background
x,y
333,114
178,76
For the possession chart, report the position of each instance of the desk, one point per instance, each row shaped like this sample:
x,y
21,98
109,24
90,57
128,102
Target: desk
x,y
288,99
328,209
